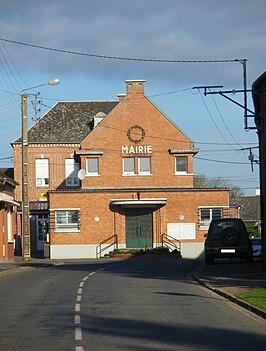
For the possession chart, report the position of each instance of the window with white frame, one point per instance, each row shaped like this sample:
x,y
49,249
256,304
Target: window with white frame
x,y
181,231
207,214
71,168
181,165
144,165
9,224
128,165
67,220
42,172
92,166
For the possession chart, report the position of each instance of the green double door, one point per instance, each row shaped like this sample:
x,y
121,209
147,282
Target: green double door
x,y
138,227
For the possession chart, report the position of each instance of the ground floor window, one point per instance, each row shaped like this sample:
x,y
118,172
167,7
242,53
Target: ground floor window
x,y
207,214
181,231
67,220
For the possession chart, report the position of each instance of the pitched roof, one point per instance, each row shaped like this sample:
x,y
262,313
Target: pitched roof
x,y
68,121
250,207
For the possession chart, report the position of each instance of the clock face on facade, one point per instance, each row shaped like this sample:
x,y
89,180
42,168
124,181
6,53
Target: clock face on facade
x,y
136,134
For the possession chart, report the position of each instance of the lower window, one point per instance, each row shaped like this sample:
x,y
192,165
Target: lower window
x,y
207,214
67,220
181,231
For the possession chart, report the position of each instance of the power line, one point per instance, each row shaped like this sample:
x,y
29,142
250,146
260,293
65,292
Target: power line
x,y
215,124
220,114
180,141
13,64
6,158
118,57
10,70
220,161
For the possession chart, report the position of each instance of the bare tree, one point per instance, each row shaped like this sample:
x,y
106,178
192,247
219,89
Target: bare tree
x,y
201,182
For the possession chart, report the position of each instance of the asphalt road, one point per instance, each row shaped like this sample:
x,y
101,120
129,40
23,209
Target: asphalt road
x,y
128,305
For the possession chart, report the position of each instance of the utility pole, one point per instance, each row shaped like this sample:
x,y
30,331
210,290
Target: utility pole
x,y
25,185
26,247
259,115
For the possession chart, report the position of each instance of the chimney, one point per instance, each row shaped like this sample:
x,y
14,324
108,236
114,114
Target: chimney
x,y
121,96
135,87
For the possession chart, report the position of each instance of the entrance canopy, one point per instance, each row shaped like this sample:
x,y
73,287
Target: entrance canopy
x,y
144,202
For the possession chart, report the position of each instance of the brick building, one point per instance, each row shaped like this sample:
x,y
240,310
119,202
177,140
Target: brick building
x,y
114,169
7,214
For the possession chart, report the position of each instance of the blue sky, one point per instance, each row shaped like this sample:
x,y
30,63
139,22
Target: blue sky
x,y
151,29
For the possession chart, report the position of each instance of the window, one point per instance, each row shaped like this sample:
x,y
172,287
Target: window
x,y
42,172
93,166
67,220
128,165
144,165
181,165
179,231
9,224
72,169
207,214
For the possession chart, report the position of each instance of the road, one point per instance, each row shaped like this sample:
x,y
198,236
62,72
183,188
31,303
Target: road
x,y
128,305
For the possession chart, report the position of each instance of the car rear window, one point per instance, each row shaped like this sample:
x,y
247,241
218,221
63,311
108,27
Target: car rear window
x,y
218,227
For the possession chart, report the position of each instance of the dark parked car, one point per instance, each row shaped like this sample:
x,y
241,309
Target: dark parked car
x,y
227,238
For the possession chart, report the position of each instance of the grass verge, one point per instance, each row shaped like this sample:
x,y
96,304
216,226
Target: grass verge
x,y
256,297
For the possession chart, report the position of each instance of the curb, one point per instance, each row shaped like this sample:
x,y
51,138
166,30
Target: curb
x,y
259,312
25,268
15,270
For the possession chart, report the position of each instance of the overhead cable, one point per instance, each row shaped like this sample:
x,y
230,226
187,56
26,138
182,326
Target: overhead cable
x,y
117,57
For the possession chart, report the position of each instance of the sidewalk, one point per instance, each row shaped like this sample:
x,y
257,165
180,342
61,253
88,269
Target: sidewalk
x,y
227,278
17,264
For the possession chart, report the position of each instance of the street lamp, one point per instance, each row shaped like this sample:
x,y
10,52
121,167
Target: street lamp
x,y
26,254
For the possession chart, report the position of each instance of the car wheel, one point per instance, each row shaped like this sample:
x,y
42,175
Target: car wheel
x,y
209,259
230,236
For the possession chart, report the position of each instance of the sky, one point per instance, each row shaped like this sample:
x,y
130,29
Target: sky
x,y
94,46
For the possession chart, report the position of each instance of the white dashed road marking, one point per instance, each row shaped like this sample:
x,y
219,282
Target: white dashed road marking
x,y
77,317
77,307
78,334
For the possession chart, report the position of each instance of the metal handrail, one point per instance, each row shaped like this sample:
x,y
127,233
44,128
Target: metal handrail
x,y
100,249
170,242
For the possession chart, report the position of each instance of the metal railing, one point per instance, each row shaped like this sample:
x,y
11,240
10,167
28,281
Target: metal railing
x,y
105,245
171,243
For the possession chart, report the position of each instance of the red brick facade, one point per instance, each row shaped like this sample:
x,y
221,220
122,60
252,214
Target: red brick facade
x,y
84,216
7,217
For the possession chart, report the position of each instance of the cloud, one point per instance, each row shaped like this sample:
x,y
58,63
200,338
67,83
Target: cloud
x,y
191,30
